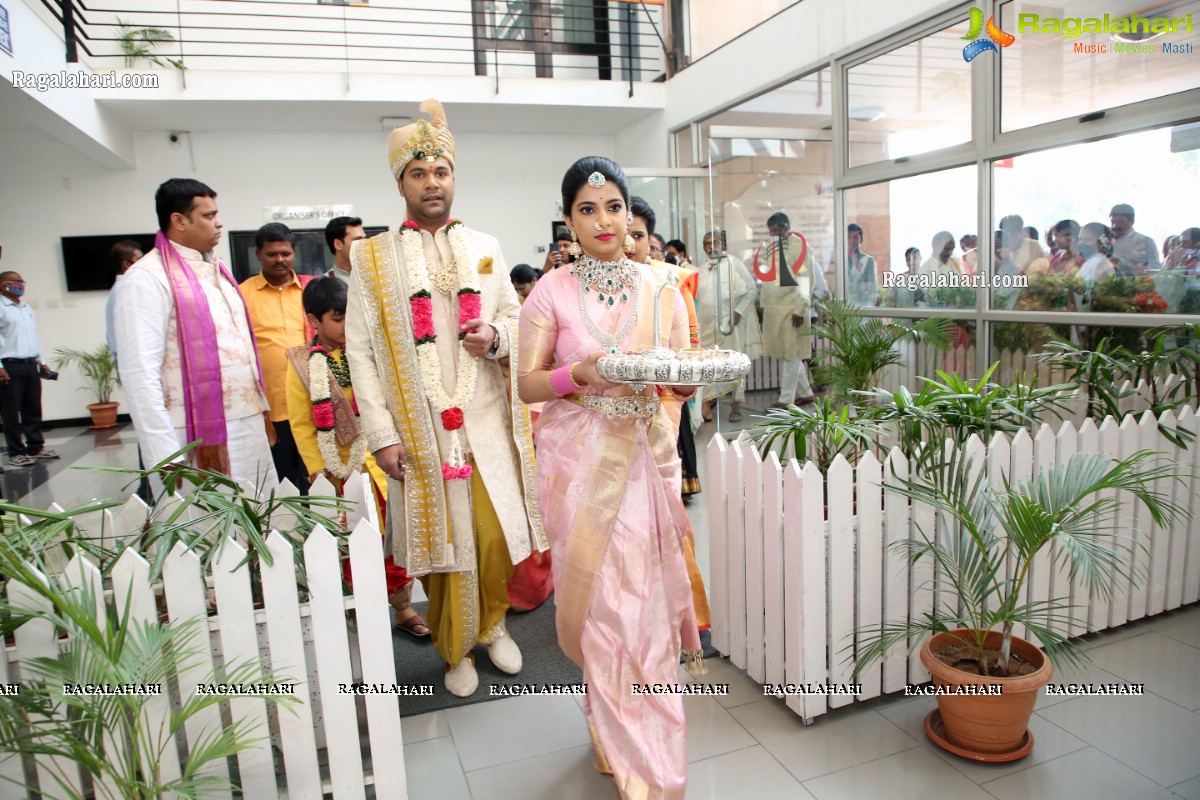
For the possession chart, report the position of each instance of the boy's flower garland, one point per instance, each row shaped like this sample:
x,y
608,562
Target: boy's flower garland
x,y
323,418
448,407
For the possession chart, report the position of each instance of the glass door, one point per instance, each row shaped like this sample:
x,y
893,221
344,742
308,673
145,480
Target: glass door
x,y
757,174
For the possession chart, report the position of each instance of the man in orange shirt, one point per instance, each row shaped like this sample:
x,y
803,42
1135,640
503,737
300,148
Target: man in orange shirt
x,y
275,300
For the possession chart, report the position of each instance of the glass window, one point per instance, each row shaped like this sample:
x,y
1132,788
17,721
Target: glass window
x,y
1064,66
712,23
917,231
910,100
1106,238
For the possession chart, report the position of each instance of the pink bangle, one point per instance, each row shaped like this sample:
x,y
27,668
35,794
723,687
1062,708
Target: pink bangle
x,y
560,381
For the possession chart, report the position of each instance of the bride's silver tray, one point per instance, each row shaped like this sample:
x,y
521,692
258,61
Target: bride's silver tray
x,y
666,367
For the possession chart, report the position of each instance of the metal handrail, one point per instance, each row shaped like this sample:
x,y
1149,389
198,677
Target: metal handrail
x,y
419,33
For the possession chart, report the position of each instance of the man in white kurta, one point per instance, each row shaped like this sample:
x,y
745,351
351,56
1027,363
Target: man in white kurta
x,y
146,329
787,296
445,461
739,317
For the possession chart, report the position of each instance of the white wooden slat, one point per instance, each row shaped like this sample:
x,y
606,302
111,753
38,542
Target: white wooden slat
x,y
131,584
322,564
999,466
870,556
183,584
793,557
1087,441
1044,444
373,615
736,552
718,542
1021,448
38,639
1066,444
1190,465
1136,526
813,588
281,518
895,572
354,495
753,526
1100,610
130,518
11,768
976,456
840,594
54,556
286,644
84,579
1160,536
239,645
774,592
921,598
321,487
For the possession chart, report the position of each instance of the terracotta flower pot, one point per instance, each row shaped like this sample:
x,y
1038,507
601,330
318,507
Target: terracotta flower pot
x,y
987,727
104,415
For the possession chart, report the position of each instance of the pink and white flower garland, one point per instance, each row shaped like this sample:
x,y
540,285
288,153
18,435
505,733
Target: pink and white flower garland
x,y
323,419
448,407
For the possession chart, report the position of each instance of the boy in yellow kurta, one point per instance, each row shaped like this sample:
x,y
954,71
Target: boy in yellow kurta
x,y
324,420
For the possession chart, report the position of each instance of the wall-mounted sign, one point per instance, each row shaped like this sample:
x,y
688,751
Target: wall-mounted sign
x,y
316,215
5,32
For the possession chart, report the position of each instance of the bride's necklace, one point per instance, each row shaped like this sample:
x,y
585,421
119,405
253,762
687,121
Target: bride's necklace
x,y
613,276
609,279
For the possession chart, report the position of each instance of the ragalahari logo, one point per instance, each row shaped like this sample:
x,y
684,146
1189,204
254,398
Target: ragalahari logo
x,y
995,36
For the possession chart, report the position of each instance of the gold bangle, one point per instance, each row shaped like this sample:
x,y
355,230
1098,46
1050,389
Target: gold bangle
x,y
571,376
550,382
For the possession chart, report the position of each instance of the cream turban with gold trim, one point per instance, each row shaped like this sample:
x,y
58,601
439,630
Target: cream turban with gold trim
x,y
422,139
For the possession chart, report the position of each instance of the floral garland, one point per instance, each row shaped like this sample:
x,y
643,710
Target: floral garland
x,y
448,407
323,418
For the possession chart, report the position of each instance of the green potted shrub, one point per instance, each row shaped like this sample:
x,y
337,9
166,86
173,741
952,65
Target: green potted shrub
x,y
99,369
111,737
988,540
858,348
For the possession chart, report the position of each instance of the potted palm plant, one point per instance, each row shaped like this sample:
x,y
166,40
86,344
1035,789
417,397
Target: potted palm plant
x,y
858,348
113,738
99,369
988,539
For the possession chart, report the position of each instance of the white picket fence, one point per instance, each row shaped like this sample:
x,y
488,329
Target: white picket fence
x,y
309,643
792,578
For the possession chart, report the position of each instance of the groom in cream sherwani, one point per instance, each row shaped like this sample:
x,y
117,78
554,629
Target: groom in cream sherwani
x,y
430,315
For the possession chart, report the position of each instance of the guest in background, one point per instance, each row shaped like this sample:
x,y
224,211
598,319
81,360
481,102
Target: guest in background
x,y
340,233
560,251
1169,245
274,298
678,249
181,321
1066,258
121,256
969,243
523,278
1022,250
787,268
942,261
735,327
658,247
1135,253
20,382
861,270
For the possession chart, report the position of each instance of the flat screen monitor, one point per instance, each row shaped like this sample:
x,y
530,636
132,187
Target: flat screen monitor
x,y
86,259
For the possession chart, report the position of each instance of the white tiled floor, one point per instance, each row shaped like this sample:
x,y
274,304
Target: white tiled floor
x,y
745,745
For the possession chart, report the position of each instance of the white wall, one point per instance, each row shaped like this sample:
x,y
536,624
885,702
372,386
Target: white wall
x,y
508,185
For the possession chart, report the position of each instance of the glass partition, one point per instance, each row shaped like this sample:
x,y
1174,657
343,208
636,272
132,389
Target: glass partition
x,y
1061,66
712,23
913,99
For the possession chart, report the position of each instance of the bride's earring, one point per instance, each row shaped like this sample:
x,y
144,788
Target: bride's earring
x,y
575,249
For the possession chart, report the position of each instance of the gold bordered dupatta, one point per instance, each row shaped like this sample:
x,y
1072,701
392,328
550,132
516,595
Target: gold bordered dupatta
x,y
429,548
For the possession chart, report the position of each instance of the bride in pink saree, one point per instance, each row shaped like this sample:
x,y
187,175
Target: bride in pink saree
x,y
608,479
